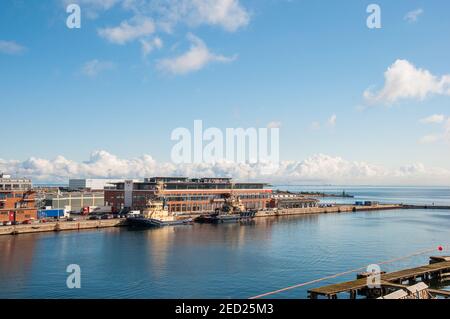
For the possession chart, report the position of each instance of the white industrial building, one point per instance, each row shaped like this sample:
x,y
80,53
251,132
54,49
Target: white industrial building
x,y
92,183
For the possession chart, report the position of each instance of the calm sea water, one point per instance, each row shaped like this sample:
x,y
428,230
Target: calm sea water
x,y
226,261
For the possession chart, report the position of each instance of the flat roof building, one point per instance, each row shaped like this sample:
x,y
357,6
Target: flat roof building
x,y
17,200
186,195
74,201
8,183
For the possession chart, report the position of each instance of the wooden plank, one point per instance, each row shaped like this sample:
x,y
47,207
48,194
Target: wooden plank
x,y
438,292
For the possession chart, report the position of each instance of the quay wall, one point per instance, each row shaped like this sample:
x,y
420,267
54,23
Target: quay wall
x,y
93,224
325,210
61,226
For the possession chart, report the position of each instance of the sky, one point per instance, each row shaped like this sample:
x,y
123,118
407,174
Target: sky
x,y
354,105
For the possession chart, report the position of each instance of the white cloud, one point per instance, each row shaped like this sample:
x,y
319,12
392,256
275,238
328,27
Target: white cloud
x,y
151,17
98,4
94,67
227,13
127,31
429,139
404,81
197,57
435,118
443,135
412,16
319,168
147,46
11,47
91,8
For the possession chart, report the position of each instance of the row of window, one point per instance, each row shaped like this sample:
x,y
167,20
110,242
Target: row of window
x,y
191,198
297,205
187,208
176,186
9,187
10,195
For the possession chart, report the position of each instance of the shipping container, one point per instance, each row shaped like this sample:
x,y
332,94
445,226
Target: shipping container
x,y
51,213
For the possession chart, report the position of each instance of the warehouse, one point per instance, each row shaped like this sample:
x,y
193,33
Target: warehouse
x,y
74,201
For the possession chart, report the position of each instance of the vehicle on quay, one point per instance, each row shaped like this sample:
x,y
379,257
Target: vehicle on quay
x,y
107,216
94,217
232,211
7,223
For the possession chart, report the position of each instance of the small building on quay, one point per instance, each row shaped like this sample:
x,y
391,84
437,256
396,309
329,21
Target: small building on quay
x,y
186,195
289,200
17,199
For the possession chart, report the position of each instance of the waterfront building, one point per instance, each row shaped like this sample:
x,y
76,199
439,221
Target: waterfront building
x,y
17,200
289,200
186,195
74,201
93,184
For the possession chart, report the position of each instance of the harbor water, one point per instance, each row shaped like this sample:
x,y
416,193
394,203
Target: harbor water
x,y
229,260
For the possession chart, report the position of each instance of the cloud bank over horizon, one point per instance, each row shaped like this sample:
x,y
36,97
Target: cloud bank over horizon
x,y
316,169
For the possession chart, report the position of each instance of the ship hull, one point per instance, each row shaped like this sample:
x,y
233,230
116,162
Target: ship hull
x,y
224,218
150,222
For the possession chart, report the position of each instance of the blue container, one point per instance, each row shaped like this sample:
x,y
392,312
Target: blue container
x,y
50,213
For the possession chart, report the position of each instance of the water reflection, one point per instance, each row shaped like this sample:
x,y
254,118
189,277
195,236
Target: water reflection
x,y
16,260
215,261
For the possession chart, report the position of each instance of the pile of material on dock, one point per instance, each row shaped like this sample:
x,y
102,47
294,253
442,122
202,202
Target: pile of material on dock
x,y
417,291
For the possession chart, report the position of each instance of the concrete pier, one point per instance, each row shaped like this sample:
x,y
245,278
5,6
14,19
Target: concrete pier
x,y
325,210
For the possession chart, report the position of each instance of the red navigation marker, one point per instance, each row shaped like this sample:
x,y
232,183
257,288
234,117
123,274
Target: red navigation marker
x,y
441,248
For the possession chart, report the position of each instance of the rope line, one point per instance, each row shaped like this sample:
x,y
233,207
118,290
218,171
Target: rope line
x,y
417,253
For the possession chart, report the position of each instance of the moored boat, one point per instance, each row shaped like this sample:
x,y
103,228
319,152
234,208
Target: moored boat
x,y
141,221
157,215
232,211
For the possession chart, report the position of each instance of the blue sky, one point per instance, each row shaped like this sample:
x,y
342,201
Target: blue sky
x,y
70,92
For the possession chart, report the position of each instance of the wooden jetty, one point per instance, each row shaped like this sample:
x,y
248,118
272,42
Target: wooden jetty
x,y
394,280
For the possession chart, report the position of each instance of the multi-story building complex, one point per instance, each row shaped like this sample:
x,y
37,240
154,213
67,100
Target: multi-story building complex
x,y
186,195
17,200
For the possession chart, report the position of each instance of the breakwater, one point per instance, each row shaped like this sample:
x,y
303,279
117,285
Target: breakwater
x,y
326,210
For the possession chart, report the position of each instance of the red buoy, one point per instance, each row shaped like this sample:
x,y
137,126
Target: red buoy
x,y
441,248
